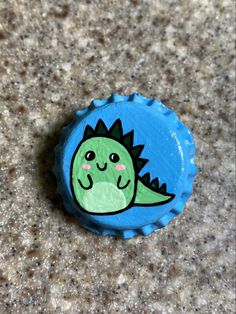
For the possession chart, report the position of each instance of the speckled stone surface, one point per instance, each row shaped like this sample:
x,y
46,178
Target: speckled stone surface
x,y
55,59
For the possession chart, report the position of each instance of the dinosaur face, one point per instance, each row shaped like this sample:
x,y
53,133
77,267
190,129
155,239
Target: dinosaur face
x,y
103,176
105,173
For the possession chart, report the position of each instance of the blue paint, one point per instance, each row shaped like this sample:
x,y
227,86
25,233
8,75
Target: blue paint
x,y
168,144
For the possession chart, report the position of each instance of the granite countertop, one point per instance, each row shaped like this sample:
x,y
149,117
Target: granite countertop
x,y
56,58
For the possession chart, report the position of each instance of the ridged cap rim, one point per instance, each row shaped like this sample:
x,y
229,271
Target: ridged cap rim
x,y
176,125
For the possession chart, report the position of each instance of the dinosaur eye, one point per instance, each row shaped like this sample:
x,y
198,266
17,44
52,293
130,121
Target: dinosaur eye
x,y
114,157
90,155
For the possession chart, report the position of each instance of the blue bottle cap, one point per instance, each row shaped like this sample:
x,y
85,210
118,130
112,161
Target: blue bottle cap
x,y
125,166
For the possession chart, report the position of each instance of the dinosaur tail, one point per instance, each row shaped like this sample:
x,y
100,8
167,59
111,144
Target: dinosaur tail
x,y
149,193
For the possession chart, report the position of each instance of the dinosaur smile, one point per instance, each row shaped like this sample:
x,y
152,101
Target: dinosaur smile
x,y
102,168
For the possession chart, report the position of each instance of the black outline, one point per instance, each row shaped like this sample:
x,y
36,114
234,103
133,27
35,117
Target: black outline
x,y
136,170
90,183
124,186
90,151
114,162
101,168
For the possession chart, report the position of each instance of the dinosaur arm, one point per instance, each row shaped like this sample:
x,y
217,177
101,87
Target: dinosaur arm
x,y
146,196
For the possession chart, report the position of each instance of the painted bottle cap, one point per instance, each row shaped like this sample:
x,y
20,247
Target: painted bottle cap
x,y
125,166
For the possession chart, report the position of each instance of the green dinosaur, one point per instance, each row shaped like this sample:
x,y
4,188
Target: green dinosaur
x,y
104,173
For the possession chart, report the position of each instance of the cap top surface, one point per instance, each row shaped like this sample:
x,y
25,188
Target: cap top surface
x,y
125,167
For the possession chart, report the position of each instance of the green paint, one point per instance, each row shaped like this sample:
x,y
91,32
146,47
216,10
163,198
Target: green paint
x,y
104,197
98,186
104,191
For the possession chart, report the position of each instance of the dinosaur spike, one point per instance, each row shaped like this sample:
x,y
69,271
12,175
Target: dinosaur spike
x,y
88,131
128,139
136,150
116,129
155,184
101,128
140,163
149,196
146,178
116,132
163,188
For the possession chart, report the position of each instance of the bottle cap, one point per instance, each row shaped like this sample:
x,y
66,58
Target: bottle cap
x,y
125,166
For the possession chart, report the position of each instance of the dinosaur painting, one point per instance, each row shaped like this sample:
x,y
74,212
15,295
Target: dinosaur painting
x,y
105,170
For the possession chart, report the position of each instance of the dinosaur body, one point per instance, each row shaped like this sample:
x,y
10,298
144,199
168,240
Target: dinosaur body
x,y
104,173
